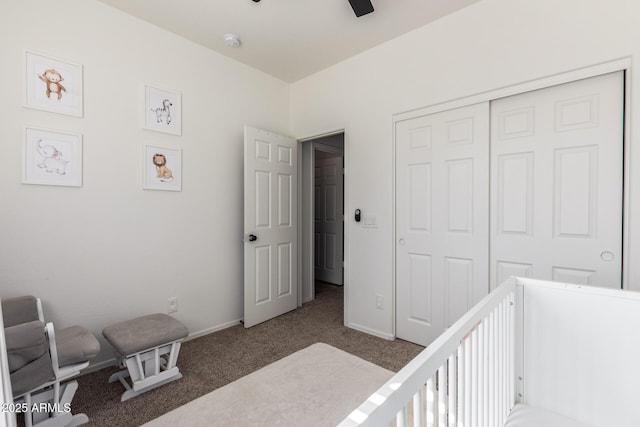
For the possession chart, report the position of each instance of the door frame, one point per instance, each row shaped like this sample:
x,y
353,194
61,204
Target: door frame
x,y
622,64
305,241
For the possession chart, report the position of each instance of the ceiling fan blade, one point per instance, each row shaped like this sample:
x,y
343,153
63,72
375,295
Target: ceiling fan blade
x,y
361,7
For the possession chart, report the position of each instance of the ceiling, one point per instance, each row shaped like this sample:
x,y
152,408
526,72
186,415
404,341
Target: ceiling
x,y
289,39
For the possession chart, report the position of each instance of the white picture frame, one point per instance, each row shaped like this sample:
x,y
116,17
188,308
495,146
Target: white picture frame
x,y
162,168
52,157
52,84
162,110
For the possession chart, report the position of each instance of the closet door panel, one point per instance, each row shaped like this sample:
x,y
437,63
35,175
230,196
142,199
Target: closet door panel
x,y
556,182
442,218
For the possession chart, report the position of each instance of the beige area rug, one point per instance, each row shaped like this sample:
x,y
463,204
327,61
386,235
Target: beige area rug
x,y
316,386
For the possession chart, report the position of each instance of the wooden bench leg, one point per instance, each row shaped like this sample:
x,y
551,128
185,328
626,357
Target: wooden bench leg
x,y
148,369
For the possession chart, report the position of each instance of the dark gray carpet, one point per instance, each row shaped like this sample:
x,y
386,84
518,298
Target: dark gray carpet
x,y
217,359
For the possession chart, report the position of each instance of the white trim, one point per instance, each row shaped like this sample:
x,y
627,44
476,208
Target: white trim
x,y
299,231
585,289
527,86
627,194
394,235
98,366
374,332
327,148
213,329
323,134
620,64
346,207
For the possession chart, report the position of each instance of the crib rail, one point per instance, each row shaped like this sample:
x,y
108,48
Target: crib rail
x,y
465,378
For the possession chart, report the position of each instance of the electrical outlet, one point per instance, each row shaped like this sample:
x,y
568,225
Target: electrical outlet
x,y
380,302
172,305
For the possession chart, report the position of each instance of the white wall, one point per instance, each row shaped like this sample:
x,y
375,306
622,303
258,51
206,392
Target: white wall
x,y
486,46
110,251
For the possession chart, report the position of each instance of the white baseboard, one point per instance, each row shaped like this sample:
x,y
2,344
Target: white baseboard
x,y
385,335
100,365
213,329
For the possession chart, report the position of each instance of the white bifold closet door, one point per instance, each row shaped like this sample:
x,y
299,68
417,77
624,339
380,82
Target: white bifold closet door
x,y
442,219
556,183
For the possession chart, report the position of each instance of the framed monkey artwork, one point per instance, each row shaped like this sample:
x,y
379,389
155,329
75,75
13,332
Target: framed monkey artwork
x,y
52,84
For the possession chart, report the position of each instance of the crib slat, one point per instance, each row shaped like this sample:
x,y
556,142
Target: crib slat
x,y
505,359
401,417
442,397
481,375
511,323
452,390
499,368
475,377
469,396
486,362
418,408
487,377
431,403
493,369
459,420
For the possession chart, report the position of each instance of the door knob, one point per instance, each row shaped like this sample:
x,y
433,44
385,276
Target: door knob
x,y
253,237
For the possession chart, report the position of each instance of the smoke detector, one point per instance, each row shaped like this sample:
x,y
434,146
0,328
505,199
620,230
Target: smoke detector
x,y
232,40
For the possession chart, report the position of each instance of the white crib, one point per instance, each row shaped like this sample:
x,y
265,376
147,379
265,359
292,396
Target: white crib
x,y
532,353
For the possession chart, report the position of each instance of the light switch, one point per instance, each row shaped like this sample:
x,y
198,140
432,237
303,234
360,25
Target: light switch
x,y
370,221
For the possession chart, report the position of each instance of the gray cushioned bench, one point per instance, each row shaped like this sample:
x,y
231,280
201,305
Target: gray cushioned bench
x,y
148,348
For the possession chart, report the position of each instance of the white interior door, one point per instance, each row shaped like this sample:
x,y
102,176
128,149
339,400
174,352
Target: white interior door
x,y
557,183
270,225
442,219
328,217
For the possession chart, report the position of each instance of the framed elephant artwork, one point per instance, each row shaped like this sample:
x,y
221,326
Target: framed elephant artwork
x,y
162,110
52,157
52,84
162,168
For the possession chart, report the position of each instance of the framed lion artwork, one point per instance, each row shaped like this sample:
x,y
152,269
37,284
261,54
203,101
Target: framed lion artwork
x,y
162,168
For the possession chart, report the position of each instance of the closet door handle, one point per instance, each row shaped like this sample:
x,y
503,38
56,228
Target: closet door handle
x,y
607,256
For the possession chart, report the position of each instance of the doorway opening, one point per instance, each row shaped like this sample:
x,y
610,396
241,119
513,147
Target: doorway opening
x,y
322,201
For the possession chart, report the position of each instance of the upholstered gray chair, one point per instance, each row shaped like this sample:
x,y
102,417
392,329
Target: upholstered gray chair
x,y
40,358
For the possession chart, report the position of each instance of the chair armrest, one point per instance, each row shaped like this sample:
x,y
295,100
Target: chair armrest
x,y
70,349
